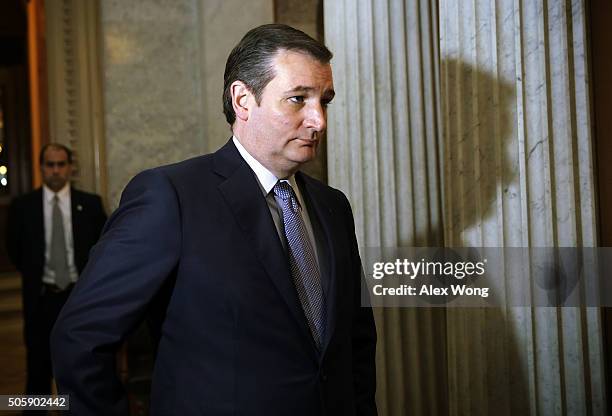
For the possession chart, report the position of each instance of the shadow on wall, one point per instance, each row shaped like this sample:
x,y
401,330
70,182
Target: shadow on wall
x,y
487,365
480,159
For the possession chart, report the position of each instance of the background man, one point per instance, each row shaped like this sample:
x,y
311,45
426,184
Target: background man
x,y
256,264
50,233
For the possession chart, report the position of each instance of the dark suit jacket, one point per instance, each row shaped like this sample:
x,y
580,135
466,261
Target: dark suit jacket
x,y
26,240
234,339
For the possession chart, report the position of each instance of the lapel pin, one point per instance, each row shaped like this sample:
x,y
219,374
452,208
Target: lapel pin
x,y
79,207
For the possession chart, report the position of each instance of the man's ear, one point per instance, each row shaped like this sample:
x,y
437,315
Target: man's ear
x,y
240,99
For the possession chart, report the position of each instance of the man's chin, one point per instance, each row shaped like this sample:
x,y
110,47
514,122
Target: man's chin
x,y
55,186
306,156
308,149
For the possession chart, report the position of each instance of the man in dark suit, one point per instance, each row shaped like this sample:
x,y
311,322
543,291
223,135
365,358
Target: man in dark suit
x,y
255,265
50,233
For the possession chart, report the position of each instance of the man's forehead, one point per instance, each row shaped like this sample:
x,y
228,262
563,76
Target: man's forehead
x,y
300,71
297,60
52,153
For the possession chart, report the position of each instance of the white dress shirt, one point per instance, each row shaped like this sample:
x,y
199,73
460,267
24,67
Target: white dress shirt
x,y
267,180
66,210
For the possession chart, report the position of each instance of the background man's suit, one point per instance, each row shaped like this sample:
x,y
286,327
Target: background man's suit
x,y
26,248
235,340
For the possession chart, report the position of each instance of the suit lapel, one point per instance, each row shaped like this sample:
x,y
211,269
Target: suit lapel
x,y
243,195
76,210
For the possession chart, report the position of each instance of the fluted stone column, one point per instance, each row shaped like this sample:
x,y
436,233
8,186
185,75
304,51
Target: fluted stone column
x,y
518,171
383,152
505,162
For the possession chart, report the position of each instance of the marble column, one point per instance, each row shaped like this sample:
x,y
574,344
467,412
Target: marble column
x,y
383,152
518,172
496,153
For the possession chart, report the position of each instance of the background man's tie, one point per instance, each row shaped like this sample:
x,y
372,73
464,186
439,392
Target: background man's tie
x,y
57,259
304,268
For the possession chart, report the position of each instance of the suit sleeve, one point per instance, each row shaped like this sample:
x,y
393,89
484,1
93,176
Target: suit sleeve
x,y
138,250
363,333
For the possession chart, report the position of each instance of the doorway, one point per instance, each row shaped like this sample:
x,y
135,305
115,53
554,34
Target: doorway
x,y
15,148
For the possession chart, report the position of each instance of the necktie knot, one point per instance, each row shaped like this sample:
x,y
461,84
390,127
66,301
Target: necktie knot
x,y
284,191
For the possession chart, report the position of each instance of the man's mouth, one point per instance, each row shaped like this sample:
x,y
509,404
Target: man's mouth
x,y
308,142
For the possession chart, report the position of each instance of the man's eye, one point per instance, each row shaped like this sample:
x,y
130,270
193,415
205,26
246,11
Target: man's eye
x,y
298,99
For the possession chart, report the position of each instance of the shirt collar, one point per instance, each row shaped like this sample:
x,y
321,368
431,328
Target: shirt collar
x,y
62,194
266,179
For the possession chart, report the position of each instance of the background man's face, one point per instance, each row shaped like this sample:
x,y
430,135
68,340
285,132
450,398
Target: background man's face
x,y
292,115
56,170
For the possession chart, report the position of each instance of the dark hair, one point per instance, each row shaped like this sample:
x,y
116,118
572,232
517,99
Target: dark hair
x,y
250,60
56,146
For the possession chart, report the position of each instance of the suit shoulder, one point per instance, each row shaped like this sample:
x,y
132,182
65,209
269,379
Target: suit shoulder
x,y
173,176
84,194
196,162
88,199
186,168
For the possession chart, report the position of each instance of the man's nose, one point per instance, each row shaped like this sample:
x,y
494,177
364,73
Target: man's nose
x,y
317,118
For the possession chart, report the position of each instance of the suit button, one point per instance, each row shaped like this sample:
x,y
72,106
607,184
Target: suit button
x,y
323,377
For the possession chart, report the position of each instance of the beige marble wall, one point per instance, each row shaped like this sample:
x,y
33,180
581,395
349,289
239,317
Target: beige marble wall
x,y
163,64
152,83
